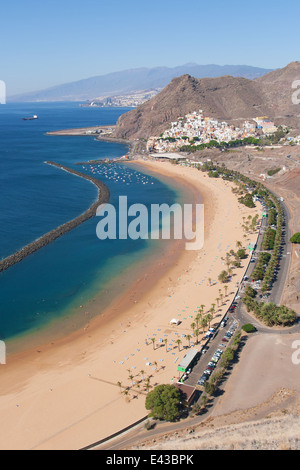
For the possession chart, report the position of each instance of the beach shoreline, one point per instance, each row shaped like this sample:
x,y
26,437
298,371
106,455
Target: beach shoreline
x,y
68,390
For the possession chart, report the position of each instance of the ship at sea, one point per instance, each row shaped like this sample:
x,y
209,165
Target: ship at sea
x,y
30,118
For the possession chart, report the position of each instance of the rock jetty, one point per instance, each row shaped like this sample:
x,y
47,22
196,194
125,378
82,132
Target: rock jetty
x,y
103,197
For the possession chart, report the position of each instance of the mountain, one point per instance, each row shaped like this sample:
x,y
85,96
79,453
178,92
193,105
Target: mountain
x,y
118,83
225,98
277,89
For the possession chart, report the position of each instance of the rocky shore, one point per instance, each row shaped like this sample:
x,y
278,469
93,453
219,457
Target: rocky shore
x,y
103,197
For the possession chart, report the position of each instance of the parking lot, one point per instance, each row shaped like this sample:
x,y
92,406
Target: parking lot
x,y
211,354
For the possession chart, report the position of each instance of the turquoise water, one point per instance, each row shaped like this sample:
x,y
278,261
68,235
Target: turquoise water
x,y
49,287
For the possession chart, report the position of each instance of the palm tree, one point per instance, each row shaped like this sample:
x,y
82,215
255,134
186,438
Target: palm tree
x,y
198,318
153,341
119,384
166,343
193,325
209,318
204,323
189,337
196,334
178,341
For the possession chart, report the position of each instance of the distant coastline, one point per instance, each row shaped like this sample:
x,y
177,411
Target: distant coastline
x,y
102,133
103,197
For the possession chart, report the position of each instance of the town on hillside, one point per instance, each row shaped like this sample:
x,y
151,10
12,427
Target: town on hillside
x,y
195,130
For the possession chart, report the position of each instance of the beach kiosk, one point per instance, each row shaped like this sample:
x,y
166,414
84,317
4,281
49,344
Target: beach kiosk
x,y
251,246
188,360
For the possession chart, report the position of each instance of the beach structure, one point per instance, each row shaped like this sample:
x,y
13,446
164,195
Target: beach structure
x,y
188,392
175,321
251,246
188,360
168,156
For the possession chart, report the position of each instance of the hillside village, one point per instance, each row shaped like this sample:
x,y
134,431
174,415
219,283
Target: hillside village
x,y
195,129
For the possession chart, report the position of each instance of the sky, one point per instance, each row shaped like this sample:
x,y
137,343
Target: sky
x,y
46,43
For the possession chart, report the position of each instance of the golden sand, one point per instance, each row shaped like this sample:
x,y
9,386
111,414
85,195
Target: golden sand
x,y
70,393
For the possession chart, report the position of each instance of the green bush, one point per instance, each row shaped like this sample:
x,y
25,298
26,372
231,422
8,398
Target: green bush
x,y
249,328
295,238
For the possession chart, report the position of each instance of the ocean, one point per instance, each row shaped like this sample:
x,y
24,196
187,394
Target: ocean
x,y
49,290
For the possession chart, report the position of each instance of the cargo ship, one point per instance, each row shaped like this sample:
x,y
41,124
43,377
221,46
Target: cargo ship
x,y
30,118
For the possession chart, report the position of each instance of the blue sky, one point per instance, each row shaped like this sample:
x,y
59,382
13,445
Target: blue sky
x,y
46,43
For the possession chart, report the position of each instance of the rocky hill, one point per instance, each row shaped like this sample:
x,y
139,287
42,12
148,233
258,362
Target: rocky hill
x,y
225,98
276,88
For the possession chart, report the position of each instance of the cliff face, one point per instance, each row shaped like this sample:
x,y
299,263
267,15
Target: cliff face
x,y
225,98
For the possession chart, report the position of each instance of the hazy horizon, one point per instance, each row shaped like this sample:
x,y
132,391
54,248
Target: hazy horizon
x,y
48,44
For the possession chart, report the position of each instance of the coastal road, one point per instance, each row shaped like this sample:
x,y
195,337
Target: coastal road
x,y
285,260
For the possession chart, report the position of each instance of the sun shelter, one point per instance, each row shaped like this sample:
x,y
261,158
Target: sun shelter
x,y
174,321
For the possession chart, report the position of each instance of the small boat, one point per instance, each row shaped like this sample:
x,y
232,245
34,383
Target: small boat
x,y
30,118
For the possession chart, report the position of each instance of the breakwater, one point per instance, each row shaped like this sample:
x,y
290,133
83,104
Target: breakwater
x,y
103,197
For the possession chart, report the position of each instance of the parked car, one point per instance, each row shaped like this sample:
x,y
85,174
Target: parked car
x,y
202,380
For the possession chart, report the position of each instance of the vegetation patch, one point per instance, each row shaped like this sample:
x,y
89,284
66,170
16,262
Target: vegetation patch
x,y
269,313
164,402
248,328
295,238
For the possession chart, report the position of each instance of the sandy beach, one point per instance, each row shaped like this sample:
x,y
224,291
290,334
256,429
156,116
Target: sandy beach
x,y
69,393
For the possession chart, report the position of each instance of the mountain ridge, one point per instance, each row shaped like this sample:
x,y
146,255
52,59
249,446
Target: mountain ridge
x,y
133,79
